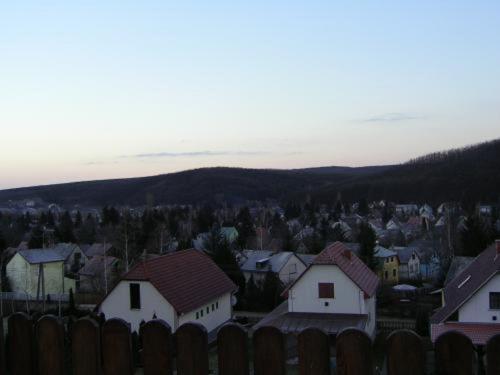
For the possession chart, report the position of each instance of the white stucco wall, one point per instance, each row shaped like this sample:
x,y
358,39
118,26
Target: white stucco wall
x,y
117,305
303,296
287,275
213,318
477,308
23,277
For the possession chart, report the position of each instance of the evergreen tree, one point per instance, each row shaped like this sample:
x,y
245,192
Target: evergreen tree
x,y
252,296
36,238
367,242
245,226
78,219
473,237
363,208
218,248
271,290
65,228
338,234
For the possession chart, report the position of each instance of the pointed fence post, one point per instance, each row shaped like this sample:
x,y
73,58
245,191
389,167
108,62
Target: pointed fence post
x,y
117,348
21,353
493,356
50,346
405,354
454,354
269,351
354,353
192,349
314,352
232,350
157,348
86,347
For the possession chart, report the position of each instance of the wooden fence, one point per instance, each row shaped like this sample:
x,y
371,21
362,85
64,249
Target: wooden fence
x,y
85,347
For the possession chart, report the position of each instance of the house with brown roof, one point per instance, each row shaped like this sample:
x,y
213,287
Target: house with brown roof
x,y
185,286
336,291
471,301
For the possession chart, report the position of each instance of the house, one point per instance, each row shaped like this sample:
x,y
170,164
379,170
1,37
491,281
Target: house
x,y
185,286
335,292
287,265
406,209
409,263
99,274
74,257
388,264
230,234
471,301
39,270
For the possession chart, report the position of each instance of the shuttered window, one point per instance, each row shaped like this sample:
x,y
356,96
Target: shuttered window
x,y
326,290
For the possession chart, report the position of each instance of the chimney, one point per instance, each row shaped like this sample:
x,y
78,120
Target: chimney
x,y
347,253
497,243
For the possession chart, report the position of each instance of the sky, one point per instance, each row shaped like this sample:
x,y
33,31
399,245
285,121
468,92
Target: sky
x,y
110,89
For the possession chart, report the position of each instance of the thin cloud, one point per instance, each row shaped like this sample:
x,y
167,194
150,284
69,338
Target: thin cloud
x,y
192,154
393,117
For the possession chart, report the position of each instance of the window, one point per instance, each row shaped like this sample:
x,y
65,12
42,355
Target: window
x,y
197,315
326,290
394,272
213,307
217,304
386,275
201,313
135,296
495,300
292,268
208,309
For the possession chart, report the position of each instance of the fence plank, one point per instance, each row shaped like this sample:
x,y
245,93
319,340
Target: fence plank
x,y
454,354
21,354
50,346
314,352
269,351
116,348
86,347
157,348
192,349
3,365
354,353
493,356
232,350
405,354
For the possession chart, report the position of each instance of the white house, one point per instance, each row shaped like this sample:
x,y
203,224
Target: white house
x,y
409,263
185,286
336,291
471,301
257,263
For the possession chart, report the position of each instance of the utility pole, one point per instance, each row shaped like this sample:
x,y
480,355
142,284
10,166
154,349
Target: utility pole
x,y
105,266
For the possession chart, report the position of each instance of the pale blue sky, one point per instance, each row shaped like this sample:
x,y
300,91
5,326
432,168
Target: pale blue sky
x,y
104,89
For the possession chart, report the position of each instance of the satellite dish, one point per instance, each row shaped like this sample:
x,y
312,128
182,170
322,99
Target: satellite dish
x,y
234,300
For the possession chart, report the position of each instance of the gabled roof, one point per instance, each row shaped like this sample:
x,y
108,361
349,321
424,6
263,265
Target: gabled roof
x,y
468,282
405,253
275,261
37,256
65,249
186,279
457,265
338,254
95,266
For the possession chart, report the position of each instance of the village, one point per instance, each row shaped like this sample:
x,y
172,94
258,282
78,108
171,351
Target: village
x,y
378,267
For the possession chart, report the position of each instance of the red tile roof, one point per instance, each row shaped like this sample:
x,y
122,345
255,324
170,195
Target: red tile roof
x,y
479,333
187,279
340,255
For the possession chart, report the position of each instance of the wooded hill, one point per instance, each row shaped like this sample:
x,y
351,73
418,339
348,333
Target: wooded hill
x,y
468,174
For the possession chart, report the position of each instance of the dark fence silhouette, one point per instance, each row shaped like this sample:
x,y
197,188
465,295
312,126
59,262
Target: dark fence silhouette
x,y
87,347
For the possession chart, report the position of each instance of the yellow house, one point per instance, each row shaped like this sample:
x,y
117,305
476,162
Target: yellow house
x,y
388,263
34,271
